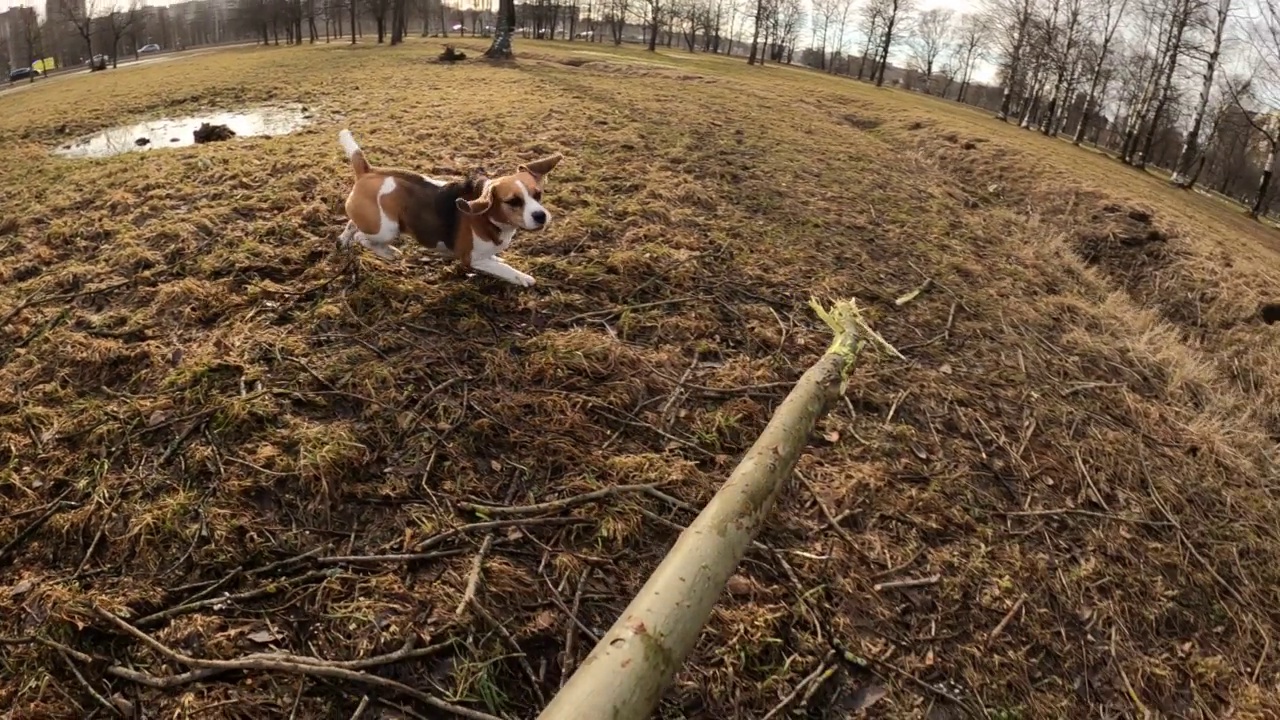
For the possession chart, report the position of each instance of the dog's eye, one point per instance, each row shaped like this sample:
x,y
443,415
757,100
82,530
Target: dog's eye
x,y
536,195
515,201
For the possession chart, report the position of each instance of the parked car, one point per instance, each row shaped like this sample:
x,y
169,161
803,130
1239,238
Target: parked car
x,y
22,73
148,48
99,62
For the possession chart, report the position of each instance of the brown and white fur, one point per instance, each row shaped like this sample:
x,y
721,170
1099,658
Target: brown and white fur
x,y
471,220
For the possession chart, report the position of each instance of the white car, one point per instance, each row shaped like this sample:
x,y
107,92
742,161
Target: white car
x,y
149,48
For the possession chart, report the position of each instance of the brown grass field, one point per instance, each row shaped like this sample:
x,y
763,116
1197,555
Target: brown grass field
x,y
211,419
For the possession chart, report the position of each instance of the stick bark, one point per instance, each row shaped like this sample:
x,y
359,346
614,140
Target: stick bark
x,y
626,674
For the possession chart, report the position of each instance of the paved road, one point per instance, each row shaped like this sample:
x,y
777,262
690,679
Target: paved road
x,y
124,63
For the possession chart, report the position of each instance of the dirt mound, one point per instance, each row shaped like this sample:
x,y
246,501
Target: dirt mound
x,y
1125,246
862,123
208,132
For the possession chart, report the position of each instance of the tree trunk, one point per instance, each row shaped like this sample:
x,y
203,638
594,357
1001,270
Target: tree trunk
x,y
1006,98
352,4
1191,147
755,37
506,25
883,60
653,20
1265,183
661,625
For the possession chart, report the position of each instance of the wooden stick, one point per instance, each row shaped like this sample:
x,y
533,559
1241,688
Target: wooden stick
x,y
551,505
999,628
435,540
473,580
899,584
279,662
571,635
660,626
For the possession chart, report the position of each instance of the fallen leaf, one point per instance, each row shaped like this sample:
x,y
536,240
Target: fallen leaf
x,y
157,417
867,696
832,436
123,705
264,636
22,587
919,451
945,369
495,465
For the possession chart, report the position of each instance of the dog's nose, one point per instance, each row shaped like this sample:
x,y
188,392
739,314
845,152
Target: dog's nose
x,y
539,217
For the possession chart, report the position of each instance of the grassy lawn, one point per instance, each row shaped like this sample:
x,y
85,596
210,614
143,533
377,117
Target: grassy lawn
x,y
210,412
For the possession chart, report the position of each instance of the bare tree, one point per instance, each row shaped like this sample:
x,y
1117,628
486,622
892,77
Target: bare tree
x,y
1066,58
824,15
120,22
1013,18
617,19
873,14
761,17
655,9
895,11
931,35
1108,15
1191,146
80,17
972,40
29,31
844,7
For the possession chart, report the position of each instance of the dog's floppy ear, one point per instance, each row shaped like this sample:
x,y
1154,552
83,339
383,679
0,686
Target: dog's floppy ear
x,y
480,205
541,167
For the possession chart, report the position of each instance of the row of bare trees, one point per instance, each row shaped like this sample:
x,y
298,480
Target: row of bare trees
x,y
1148,80
1186,86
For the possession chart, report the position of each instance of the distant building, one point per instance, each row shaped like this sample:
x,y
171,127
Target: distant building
x,y
14,23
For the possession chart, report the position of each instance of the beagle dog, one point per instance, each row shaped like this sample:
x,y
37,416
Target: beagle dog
x,y
471,220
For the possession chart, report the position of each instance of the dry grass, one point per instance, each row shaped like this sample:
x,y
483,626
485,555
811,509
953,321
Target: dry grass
x,y
199,387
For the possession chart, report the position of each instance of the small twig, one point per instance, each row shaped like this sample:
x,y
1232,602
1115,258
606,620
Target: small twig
x,y
87,687
894,407
627,308
473,581
282,662
951,318
26,532
193,605
924,288
364,705
435,540
97,537
816,685
555,598
1004,622
675,394
297,698
912,583
388,558
826,512
290,560
1266,648
795,692
1089,481
1076,511
498,510
518,653
1155,495
570,635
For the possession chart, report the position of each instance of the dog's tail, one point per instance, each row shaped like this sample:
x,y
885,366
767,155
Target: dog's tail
x,y
354,153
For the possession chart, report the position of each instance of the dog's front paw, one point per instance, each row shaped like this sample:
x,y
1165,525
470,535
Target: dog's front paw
x,y
524,280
